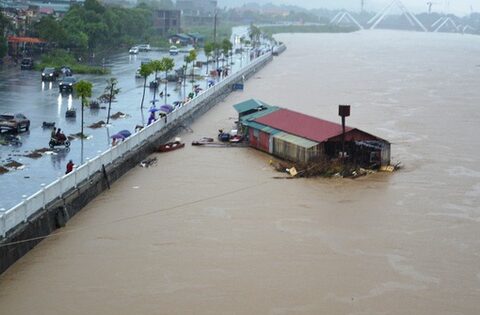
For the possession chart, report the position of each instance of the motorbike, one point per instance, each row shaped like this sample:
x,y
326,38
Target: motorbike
x,y
55,142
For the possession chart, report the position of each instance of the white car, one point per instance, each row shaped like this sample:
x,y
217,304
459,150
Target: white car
x,y
144,47
133,51
174,50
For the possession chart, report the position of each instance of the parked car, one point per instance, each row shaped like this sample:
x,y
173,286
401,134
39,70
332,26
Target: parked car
x,y
49,74
26,64
133,50
67,84
15,122
174,50
144,47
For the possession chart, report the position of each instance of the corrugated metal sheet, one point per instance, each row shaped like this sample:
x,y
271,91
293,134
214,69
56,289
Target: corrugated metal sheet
x,y
302,142
294,148
301,125
253,116
267,129
249,105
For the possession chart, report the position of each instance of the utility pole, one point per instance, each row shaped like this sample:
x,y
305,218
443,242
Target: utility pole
x,y
215,39
343,111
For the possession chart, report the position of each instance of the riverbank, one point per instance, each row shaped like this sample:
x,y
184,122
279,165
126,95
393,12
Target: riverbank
x,y
211,230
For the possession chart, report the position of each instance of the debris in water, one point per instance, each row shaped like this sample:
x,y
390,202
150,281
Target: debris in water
x,y
13,164
3,170
118,115
149,162
98,124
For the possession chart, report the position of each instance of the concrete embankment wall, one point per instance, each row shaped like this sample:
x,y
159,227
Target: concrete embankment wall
x,y
28,234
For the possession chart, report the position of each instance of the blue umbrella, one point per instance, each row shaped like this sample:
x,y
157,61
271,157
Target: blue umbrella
x,y
125,133
153,110
167,108
118,136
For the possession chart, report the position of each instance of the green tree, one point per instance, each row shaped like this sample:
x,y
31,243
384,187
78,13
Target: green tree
x,y
4,27
190,58
156,66
83,89
110,93
51,30
167,65
145,71
226,47
254,33
208,48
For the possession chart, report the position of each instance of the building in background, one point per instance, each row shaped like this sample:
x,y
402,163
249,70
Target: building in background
x,y
166,22
197,12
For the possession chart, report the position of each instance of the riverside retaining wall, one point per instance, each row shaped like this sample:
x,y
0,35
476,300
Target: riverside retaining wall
x,y
42,223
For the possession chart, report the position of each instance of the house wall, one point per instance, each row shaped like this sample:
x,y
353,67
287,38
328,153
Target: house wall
x,y
259,139
293,152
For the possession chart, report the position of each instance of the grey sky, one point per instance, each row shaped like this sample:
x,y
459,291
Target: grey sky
x,y
458,7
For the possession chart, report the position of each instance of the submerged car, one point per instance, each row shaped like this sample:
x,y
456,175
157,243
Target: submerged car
x,y
49,74
144,47
26,64
15,122
133,50
174,50
67,84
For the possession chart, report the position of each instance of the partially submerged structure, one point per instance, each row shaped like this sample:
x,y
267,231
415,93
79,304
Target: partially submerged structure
x,y
301,138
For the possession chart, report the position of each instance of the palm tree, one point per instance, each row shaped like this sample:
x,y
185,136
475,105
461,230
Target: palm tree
x,y
167,65
110,92
145,71
254,34
83,89
192,56
226,47
208,49
156,66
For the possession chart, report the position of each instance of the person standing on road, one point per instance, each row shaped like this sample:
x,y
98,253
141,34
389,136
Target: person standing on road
x,y
70,166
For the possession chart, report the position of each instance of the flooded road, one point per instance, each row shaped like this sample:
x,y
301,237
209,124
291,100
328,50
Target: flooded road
x,y
24,92
211,231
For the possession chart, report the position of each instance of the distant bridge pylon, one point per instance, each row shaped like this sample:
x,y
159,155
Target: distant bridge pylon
x,y
343,16
412,19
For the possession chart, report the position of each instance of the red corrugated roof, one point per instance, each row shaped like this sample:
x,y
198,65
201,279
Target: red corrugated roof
x,y
33,40
302,125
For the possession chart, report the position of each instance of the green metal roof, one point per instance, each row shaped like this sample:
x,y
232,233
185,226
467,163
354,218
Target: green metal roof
x,y
259,114
301,142
249,105
261,127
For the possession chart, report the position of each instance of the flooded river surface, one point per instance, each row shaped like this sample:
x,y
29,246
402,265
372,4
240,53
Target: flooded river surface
x,y
211,231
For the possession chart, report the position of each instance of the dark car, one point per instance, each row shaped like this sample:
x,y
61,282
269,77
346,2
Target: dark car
x,y
49,74
26,64
15,122
67,84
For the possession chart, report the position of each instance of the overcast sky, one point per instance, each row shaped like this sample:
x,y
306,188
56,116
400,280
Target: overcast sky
x,y
458,7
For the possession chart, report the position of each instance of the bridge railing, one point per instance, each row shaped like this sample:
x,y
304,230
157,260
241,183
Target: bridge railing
x,y
57,189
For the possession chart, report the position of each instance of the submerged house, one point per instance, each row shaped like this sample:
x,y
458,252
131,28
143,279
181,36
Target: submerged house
x,y
302,138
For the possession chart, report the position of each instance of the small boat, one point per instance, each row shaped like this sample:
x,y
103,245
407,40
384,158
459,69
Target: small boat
x,y
202,141
170,146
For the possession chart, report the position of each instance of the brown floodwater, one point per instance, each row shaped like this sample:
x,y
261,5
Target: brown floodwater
x,y
211,231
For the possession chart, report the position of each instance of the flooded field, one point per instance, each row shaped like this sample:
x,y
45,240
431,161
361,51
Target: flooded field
x,y
211,231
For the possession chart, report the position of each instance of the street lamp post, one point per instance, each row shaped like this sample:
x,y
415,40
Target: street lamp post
x,y
343,111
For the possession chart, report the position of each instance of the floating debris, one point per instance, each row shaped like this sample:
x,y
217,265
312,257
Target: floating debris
x,y
13,164
118,115
3,170
33,155
149,162
98,124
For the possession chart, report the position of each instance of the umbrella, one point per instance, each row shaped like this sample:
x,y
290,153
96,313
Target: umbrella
x,y
125,133
118,136
167,108
153,110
